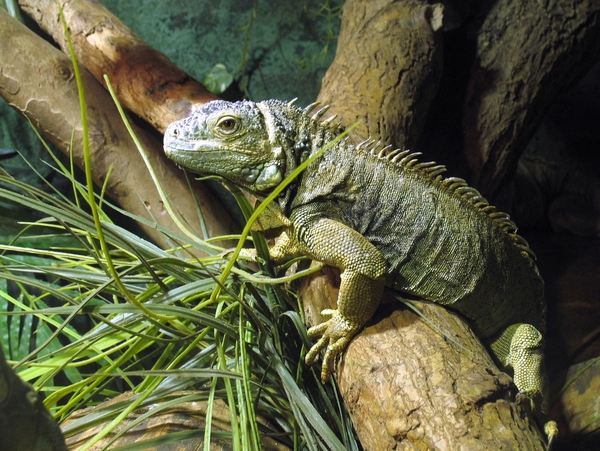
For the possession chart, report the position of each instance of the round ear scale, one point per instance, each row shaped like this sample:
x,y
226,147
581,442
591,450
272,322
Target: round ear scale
x,y
269,177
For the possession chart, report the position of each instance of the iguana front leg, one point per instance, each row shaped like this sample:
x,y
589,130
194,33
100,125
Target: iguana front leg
x,y
362,280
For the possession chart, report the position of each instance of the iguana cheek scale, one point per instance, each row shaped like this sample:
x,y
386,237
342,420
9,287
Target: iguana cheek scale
x,y
383,218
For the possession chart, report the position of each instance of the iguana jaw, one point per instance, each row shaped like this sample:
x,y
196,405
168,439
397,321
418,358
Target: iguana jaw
x,y
253,175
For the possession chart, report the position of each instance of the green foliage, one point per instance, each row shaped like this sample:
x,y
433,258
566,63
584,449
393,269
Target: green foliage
x,y
218,79
244,346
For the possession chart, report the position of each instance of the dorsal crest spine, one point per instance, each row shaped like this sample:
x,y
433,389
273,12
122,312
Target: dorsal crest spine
x,y
407,160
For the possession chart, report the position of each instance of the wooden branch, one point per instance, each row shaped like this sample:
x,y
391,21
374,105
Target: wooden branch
x,y
386,69
407,386
527,52
145,80
182,417
38,81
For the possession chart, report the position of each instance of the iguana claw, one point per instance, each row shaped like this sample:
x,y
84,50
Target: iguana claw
x,y
335,334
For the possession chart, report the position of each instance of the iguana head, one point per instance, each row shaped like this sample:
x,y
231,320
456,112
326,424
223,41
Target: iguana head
x,y
236,141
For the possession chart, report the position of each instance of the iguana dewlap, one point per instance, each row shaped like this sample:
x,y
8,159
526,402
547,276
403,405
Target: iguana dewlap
x,y
382,218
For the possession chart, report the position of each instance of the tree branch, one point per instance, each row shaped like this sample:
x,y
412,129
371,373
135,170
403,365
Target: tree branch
x,y
526,53
38,81
145,80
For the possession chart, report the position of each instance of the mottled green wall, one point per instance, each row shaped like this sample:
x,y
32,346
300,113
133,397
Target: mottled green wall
x,y
287,43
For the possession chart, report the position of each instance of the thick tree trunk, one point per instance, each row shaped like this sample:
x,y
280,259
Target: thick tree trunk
x,y
386,69
526,53
37,80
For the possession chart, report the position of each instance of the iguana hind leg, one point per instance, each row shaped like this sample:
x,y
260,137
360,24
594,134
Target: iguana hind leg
x,y
521,346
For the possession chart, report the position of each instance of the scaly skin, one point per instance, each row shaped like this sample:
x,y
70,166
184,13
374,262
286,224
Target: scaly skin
x,y
382,218
25,424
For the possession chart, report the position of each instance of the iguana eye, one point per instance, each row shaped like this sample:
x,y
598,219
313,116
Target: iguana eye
x,y
227,124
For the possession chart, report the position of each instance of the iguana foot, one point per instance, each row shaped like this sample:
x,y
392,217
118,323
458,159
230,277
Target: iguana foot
x,y
551,430
335,335
520,346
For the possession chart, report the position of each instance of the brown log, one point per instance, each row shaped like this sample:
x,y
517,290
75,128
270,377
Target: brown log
x,y
409,387
38,81
526,53
145,80
386,69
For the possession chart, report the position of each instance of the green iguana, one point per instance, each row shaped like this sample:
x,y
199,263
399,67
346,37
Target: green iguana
x,y
382,218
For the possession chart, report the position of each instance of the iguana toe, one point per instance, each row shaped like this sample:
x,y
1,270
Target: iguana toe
x,y
313,353
551,430
336,334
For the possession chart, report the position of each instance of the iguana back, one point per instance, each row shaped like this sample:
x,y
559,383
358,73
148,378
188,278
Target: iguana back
x,y
440,239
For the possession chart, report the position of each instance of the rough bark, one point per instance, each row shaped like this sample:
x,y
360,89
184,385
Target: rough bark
x,y
145,80
386,69
409,387
38,81
526,53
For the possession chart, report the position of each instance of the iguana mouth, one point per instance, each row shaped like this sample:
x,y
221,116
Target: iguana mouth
x,y
174,146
